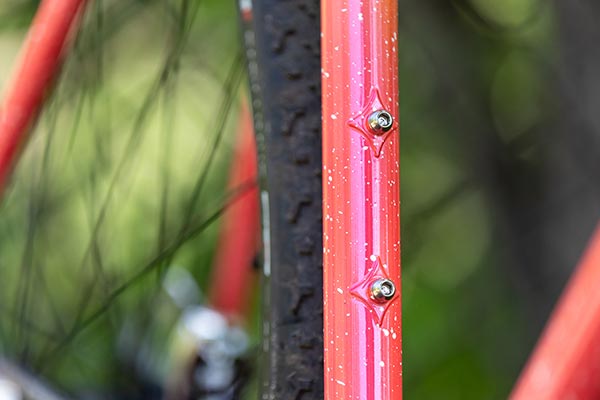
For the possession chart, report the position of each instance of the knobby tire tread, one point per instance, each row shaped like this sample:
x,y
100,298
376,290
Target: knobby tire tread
x,y
287,44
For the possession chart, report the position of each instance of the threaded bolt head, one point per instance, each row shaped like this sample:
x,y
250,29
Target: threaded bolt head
x,y
383,290
380,122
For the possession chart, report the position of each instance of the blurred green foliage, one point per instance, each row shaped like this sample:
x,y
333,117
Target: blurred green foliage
x,y
473,82
123,171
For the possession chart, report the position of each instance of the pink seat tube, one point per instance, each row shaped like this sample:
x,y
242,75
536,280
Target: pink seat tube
x,y
361,200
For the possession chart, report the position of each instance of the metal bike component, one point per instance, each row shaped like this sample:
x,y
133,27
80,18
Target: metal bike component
x,y
380,122
18,384
361,200
383,290
373,121
209,355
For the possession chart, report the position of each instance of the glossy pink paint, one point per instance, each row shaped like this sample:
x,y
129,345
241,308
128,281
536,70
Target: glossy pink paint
x,y
361,200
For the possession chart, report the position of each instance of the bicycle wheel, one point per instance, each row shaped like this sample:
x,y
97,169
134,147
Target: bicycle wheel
x,y
288,111
92,230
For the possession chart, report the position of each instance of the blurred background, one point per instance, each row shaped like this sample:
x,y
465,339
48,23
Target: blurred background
x,y
499,163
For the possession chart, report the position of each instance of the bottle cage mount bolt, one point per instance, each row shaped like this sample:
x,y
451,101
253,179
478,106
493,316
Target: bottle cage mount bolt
x,y
380,122
383,290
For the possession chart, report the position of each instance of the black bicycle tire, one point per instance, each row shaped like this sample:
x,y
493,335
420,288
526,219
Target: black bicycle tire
x,y
287,103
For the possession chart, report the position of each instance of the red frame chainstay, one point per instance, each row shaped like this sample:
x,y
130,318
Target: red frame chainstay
x,y
39,63
232,277
361,200
566,361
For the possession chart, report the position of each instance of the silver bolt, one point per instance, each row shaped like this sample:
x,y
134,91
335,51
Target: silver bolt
x,y
380,122
382,290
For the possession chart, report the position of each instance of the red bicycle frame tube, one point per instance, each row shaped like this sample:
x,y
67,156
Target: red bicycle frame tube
x,y
40,59
232,273
566,361
361,200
